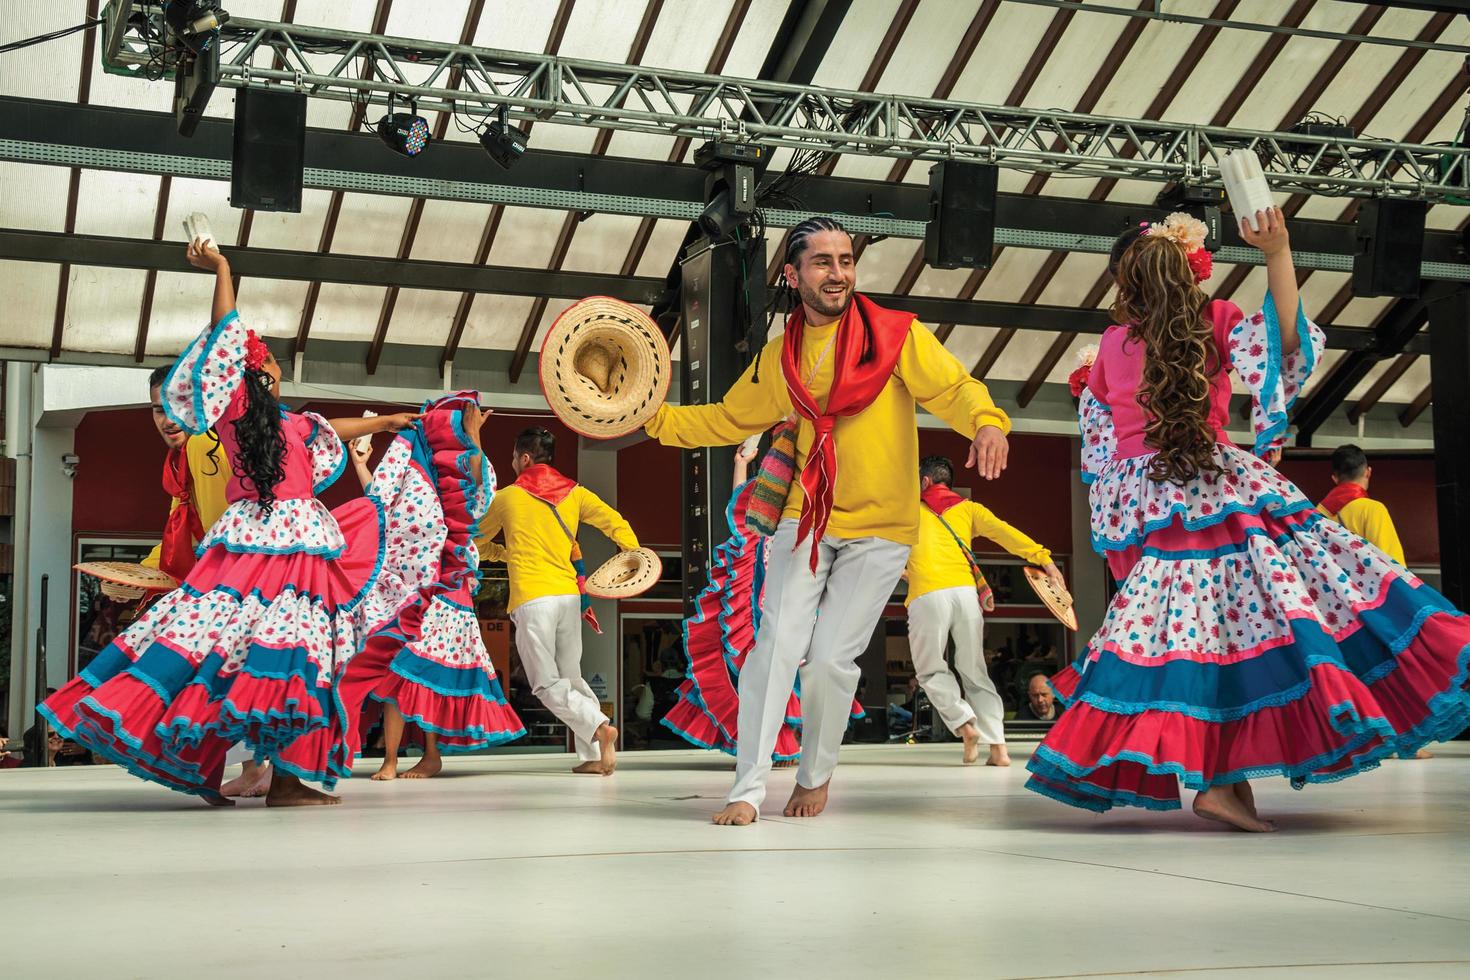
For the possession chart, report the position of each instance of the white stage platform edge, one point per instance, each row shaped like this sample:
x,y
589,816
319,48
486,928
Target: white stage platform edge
x,y
513,867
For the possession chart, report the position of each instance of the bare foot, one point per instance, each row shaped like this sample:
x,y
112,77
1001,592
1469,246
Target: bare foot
x,y
736,815
593,768
289,791
1247,796
606,738
971,736
784,763
388,770
1220,803
807,802
999,756
428,766
1421,754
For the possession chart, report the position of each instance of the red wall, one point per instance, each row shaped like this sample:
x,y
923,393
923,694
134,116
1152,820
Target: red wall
x,y
649,493
117,487
1406,488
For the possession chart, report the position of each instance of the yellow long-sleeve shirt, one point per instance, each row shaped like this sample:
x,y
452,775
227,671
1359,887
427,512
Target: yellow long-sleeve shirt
x,y
1368,518
936,561
209,479
877,449
536,551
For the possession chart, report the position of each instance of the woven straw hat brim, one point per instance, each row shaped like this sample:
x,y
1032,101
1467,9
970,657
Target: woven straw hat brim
x,y
126,581
1058,604
625,575
622,348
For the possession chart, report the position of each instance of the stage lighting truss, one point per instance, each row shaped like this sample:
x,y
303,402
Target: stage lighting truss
x,y
479,82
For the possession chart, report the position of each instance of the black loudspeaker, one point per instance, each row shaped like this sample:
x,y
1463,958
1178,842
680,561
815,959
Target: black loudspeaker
x,y
961,229
1390,247
270,145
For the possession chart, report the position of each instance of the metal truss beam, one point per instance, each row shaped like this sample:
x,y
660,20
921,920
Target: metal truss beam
x,y
321,63
268,263
67,134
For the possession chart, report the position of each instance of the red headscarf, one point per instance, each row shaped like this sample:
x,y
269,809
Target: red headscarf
x,y
176,553
868,342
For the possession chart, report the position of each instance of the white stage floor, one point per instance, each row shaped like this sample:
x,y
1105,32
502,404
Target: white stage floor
x,y
513,867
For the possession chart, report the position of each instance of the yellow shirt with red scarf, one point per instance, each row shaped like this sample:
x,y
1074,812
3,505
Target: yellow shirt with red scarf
x,y
1368,519
936,561
209,476
877,449
537,552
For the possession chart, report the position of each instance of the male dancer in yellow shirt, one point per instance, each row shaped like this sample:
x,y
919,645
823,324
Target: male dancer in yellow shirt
x,y
942,603
1350,505
850,372
539,515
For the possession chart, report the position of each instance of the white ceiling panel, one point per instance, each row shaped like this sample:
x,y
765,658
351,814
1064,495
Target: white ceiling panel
x,y
527,237
181,310
118,204
449,231
42,71
753,41
1022,354
209,197
28,292
601,243
300,231
967,342
685,34
495,322
1210,84
846,61
370,224
33,196
663,248
102,309
422,317
272,307
1074,280
346,312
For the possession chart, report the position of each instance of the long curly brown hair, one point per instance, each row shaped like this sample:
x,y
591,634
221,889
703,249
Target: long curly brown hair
x,y
1163,306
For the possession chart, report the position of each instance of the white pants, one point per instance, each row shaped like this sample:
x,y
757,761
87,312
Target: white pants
x,y
820,623
933,618
549,640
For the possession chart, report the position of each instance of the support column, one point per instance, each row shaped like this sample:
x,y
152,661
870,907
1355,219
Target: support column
x,y
1449,367
597,470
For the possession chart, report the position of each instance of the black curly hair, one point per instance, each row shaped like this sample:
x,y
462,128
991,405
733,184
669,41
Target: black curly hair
x,y
260,459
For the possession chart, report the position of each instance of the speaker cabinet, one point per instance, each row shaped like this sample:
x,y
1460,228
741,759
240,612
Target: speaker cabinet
x,y
1390,248
270,144
961,230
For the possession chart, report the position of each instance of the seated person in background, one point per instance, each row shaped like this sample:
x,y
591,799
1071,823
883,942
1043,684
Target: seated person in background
x,y
1041,704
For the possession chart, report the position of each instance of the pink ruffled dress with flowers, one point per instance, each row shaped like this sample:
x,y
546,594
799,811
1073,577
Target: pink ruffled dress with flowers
x,y
436,669
248,647
1249,636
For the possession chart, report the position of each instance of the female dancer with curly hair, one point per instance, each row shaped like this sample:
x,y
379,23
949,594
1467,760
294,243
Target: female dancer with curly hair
x,y
1249,636
282,595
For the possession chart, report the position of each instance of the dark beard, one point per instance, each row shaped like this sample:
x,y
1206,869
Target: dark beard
x,y
815,299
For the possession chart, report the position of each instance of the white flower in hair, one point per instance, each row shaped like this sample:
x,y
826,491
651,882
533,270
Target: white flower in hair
x,y
1086,355
1185,229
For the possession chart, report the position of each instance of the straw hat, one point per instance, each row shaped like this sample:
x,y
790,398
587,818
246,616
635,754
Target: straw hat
x,y
605,368
124,581
625,575
1058,601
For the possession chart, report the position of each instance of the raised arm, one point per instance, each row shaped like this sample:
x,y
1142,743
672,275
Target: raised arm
x,y
1281,285
204,384
1013,540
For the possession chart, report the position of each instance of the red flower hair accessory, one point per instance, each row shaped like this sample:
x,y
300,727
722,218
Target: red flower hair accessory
x,y
1078,379
1190,233
255,351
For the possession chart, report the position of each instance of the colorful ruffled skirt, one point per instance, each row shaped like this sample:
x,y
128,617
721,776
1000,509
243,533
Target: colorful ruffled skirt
x,y
1250,637
430,659
243,651
717,639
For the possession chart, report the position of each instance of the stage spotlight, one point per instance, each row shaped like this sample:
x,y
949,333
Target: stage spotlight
x,y
719,219
505,143
404,132
195,21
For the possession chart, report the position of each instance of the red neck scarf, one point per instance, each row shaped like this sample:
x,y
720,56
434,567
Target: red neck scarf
x,y
1342,495
176,554
940,498
543,482
866,348
551,488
